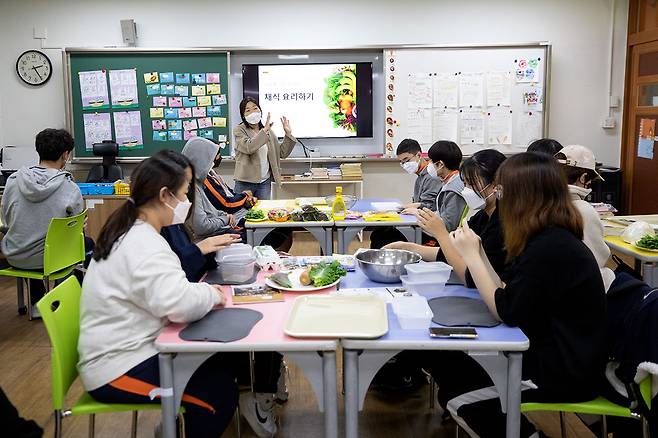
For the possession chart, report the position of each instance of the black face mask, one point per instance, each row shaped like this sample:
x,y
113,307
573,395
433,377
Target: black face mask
x,y
217,162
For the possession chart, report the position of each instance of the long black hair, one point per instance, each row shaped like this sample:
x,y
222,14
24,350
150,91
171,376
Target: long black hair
x,y
481,167
545,146
164,169
243,105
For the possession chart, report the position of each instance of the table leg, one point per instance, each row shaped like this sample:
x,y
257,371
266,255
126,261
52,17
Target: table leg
x,y
408,232
259,235
330,394
514,395
250,237
348,235
419,235
351,376
647,274
340,240
168,404
329,240
320,235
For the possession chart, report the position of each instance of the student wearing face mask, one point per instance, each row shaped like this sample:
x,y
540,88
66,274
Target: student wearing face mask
x,y
478,173
258,151
134,287
445,157
223,197
579,166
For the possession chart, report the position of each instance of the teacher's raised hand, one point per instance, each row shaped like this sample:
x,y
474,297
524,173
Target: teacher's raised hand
x,y
286,126
268,124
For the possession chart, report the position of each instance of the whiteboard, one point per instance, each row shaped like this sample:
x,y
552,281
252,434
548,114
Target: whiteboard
x,y
479,97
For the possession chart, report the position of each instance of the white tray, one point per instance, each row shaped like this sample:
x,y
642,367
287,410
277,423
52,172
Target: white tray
x,y
323,316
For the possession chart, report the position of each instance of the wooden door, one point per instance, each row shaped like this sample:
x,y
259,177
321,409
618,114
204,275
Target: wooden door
x,y
640,156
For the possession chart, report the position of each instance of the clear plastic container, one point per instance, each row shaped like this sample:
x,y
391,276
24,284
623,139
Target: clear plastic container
x,y
237,268
413,312
423,271
235,249
426,284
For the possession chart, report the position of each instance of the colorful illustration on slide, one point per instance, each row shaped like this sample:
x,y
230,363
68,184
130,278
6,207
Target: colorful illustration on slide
x,y
340,97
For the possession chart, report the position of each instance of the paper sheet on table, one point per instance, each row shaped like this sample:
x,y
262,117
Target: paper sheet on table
x,y
499,88
445,124
446,90
420,91
530,127
123,87
385,206
419,125
128,130
499,126
472,128
93,89
97,128
533,99
470,89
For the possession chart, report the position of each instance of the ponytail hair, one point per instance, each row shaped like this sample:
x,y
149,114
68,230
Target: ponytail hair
x,y
164,169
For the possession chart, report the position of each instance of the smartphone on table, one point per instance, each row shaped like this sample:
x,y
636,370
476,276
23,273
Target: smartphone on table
x,y
453,332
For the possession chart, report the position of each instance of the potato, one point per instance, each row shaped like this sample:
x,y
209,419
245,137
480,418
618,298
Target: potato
x,y
305,278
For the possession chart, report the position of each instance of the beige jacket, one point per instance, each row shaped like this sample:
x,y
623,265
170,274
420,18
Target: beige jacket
x,y
247,165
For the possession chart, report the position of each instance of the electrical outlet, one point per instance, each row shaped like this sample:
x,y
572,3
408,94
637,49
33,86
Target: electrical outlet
x,y
614,101
609,123
39,33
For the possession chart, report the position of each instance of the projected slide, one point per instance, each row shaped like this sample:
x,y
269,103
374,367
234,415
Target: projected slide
x,y
319,99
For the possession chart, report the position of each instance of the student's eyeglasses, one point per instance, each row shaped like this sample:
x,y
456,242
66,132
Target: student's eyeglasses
x,y
499,192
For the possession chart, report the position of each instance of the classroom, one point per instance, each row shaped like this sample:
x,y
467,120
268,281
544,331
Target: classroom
x,y
339,219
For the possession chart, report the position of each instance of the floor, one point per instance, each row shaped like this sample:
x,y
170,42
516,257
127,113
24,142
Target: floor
x,y
25,377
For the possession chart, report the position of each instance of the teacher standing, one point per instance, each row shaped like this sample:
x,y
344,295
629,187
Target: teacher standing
x,y
258,151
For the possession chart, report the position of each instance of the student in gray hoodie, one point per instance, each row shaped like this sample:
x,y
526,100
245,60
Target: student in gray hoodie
x,y
33,196
206,220
445,157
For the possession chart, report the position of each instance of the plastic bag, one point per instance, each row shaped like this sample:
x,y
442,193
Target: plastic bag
x,y
636,231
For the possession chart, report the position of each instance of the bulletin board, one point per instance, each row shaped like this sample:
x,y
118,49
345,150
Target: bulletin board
x,y
479,97
146,100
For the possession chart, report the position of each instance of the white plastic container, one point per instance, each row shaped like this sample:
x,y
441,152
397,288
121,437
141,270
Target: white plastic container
x,y
237,268
413,312
235,249
423,270
425,284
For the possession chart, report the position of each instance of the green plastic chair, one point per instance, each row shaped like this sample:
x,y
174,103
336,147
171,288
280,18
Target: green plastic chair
x,y
60,311
64,249
598,406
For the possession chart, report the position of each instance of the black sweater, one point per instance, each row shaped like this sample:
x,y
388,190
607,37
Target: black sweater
x,y
555,294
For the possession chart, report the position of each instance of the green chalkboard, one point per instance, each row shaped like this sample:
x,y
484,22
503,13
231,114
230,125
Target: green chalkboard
x,y
101,98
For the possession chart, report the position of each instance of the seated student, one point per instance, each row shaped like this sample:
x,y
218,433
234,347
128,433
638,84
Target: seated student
x,y
552,291
545,146
133,287
445,157
478,173
579,166
206,219
32,197
222,197
426,189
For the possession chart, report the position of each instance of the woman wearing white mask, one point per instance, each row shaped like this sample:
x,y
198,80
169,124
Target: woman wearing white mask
x,y
478,174
258,151
134,286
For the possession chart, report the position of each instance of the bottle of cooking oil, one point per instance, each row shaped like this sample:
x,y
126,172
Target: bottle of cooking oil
x,y
338,209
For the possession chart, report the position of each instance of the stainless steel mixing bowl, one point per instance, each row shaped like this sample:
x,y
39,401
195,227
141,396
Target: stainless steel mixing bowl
x,y
385,265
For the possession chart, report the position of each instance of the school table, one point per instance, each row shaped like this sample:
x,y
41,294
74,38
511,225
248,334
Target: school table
x,y
498,350
322,231
315,357
645,261
346,230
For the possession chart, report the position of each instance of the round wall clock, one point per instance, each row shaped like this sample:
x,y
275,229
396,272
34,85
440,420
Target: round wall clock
x,y
34,67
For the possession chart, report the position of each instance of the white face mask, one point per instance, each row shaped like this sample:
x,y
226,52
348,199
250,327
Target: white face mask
x,y
253,118
410,166
431,170
180,211
473,200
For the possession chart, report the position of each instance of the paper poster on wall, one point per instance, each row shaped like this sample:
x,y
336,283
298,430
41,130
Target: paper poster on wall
x,y
530,127
470,90
123,88
499,88
499,126
97,128
93,90
527,69
419,125
646,140
128,130
533,99
471,128
445,125
420,91
446,90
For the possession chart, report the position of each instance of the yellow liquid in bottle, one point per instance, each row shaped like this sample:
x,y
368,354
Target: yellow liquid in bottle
x,y
338,209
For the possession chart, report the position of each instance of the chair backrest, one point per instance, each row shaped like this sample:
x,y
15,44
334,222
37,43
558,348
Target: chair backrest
x,y
60,310
65,243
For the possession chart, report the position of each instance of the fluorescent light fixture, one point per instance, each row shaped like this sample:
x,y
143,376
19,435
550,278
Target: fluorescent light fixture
x,y
293,56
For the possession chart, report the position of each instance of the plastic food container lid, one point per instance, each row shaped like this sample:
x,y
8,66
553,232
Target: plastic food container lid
x,y
428,268
236,259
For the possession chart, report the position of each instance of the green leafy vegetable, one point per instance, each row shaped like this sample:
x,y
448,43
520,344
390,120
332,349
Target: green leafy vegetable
x,y
255,214
282,280
323,274
648,242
